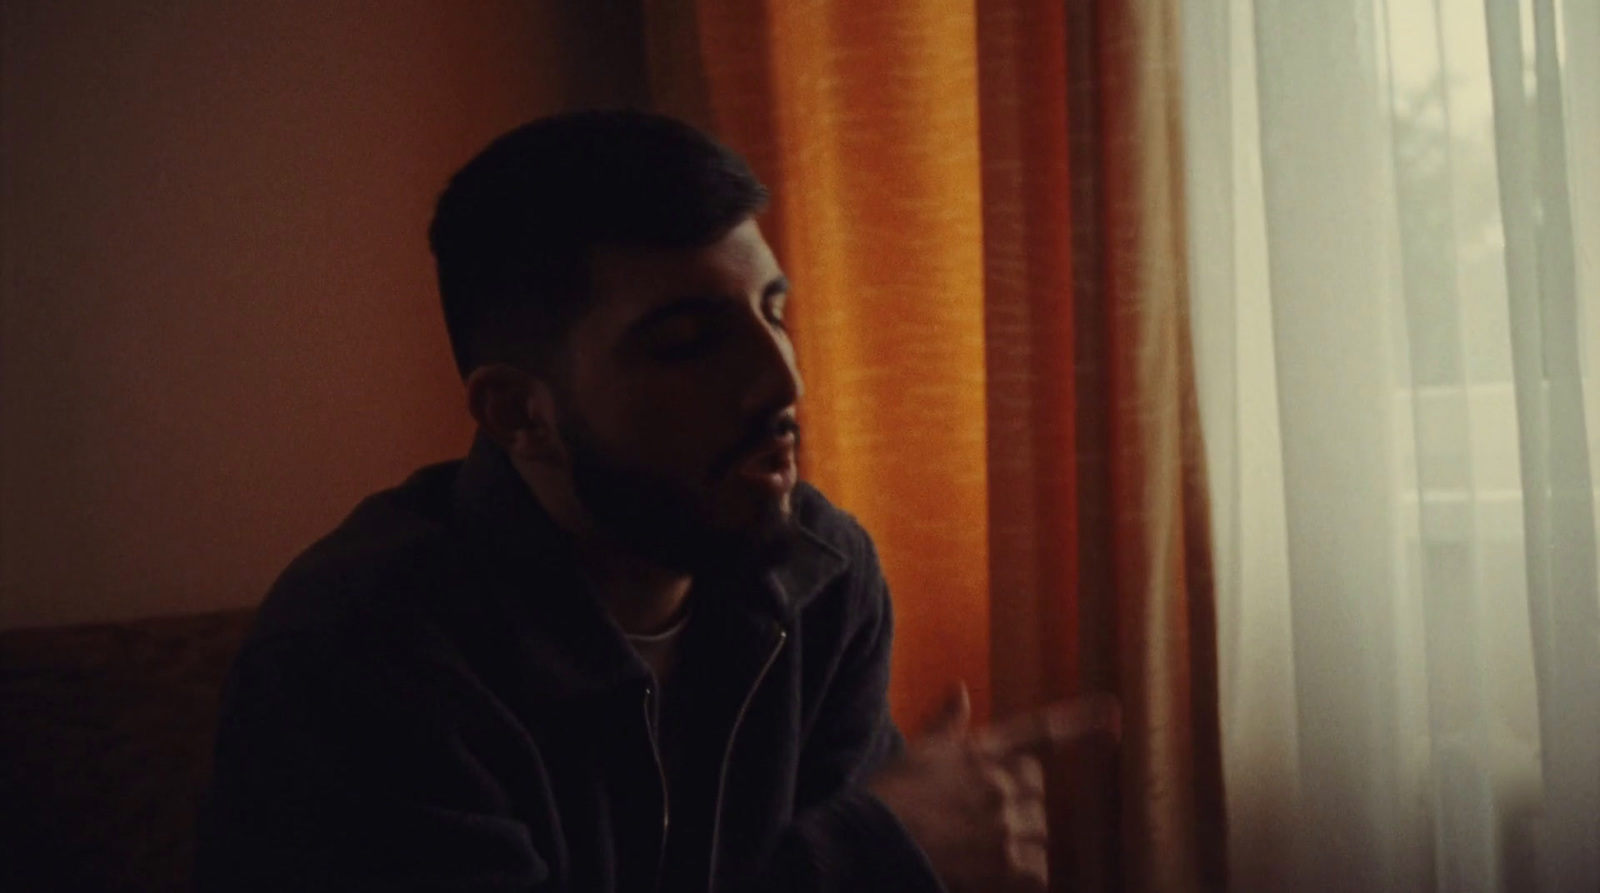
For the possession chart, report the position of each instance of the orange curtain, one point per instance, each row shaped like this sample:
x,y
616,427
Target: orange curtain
x,y
981,208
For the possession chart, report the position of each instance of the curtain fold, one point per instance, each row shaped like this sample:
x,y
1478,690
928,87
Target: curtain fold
x,y
1400,399
982,208
1558,489
1161,539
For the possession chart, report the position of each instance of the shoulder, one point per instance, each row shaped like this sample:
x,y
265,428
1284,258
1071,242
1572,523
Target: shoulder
x,y
394,544
349,624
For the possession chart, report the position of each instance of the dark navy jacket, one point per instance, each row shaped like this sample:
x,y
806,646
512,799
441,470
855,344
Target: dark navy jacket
x,y
432,699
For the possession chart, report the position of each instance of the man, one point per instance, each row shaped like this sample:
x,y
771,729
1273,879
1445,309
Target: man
x,y
620,646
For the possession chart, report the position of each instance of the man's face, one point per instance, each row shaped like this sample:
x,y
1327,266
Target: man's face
x,y
679,414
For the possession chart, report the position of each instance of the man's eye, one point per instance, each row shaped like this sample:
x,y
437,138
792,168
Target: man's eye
x,y
775,310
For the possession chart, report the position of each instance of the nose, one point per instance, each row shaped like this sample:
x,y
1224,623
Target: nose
x,y
772,381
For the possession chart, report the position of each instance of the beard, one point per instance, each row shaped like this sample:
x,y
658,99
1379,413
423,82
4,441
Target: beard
x,y
664,522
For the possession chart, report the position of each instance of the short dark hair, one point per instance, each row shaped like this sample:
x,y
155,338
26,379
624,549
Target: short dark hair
x,y
514,232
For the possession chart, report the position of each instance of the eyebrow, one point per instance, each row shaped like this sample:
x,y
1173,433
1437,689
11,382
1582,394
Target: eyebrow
x,y
692,303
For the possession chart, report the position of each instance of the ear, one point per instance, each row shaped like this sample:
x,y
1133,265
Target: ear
x,y
517,411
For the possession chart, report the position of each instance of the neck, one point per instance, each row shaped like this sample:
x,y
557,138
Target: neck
x,y
641,596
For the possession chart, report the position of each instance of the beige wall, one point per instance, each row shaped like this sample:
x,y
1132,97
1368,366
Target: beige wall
x,y
216,302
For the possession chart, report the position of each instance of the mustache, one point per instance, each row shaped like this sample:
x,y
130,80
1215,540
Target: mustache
x,y
767,430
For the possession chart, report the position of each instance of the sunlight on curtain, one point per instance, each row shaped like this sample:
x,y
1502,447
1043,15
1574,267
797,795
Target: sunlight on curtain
x,y
1395,219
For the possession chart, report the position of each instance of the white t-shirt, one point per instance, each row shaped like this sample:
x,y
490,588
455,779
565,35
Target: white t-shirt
x,y
660,650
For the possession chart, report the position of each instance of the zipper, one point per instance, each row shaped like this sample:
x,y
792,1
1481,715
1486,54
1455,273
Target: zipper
x,y
661,773
727,753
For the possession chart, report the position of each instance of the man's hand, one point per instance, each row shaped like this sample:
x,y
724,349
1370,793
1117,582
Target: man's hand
x,y
974,800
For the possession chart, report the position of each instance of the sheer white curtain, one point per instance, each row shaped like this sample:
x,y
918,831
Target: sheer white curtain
x,y
1394,222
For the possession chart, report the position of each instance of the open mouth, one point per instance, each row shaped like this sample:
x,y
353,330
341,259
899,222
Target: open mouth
x,y
772,465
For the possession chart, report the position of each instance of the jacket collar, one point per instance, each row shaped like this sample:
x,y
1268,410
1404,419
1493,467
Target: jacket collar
x,y
562,631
